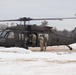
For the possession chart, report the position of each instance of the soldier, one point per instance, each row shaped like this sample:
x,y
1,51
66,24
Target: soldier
x,y
45,41
41,42
29,39
33,39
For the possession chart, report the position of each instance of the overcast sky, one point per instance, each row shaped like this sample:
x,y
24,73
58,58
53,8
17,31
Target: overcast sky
x,y
14,9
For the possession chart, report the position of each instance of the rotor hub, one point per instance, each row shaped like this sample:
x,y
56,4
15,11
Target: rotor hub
x,y
25,19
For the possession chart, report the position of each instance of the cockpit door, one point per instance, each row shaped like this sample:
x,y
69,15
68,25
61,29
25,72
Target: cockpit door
x,y
10,40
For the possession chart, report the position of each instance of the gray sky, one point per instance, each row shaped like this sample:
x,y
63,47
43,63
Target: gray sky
x,y
14,9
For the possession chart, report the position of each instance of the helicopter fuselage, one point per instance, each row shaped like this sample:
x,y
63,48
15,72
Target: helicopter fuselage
x,y
16,36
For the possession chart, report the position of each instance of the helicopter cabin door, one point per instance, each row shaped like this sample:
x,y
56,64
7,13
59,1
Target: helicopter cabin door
x,y
10,39
19,39
32,39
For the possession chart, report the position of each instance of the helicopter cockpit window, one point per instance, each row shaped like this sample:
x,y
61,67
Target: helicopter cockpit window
x,y
11,35
3,34
0,32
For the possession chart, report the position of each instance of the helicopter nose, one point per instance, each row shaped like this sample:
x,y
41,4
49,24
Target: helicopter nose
x,y
2,40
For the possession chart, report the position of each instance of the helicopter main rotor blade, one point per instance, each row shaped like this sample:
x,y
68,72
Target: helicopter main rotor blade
x,y
20,19
7,20
48,19
29,19
55,18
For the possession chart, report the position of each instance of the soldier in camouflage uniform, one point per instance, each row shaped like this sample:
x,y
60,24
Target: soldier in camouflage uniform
x,y
45,41
41,42
34,39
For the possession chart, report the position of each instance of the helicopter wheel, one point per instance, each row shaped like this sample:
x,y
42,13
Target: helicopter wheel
x,y
25,46
69,47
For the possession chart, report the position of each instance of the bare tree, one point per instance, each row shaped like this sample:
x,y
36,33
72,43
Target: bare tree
x,y
54,29
44,23
3,26
65,32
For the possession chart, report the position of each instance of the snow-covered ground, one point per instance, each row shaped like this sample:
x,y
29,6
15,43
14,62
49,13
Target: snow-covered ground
x,y
20,61
73,45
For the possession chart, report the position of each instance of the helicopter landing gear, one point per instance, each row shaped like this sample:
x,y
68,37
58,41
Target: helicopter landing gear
x,y
69,47
25,46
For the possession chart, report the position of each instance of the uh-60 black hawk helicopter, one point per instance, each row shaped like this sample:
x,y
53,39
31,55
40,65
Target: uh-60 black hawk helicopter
x,y
16,35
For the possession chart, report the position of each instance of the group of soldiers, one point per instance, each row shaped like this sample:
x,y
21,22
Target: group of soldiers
x,y
42,41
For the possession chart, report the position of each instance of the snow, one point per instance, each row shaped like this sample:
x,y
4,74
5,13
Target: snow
x,y
20,61
73,45
14,50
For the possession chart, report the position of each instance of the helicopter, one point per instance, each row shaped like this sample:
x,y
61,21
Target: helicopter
x,y
17,35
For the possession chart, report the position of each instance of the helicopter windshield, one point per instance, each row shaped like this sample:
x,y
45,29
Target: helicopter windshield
x,y
4,33
0,32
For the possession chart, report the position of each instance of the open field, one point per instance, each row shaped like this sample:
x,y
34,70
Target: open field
x,y
20,61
